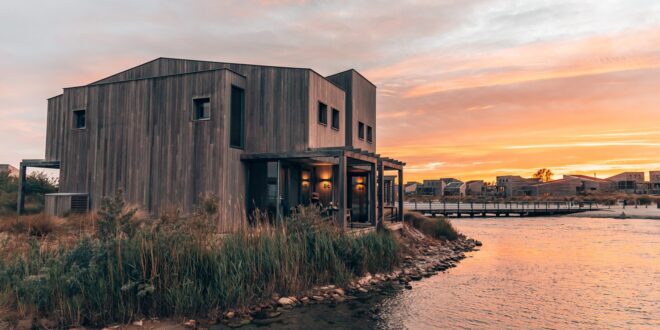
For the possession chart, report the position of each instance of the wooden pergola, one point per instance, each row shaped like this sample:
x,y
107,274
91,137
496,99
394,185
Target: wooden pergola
x,y
345,157
38,163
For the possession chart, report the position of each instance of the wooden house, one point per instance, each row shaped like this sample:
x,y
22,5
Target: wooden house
x,y
170,131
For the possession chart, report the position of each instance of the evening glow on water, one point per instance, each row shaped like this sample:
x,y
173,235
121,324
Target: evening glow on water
x,y
469,89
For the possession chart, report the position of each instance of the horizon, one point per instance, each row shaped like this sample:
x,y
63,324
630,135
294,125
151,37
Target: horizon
x,y
471,90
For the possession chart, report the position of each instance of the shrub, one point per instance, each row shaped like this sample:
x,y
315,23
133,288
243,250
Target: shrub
x,y
38,225
439,228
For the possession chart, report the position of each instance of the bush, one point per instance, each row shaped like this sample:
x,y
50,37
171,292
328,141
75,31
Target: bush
x,y
38,225
130,270
439,228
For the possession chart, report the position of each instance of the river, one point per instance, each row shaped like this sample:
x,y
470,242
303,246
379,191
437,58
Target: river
x,y
542,273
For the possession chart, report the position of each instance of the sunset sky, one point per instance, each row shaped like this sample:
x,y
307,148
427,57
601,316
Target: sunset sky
x,y
467,89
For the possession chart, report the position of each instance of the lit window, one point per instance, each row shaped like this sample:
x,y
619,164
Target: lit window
x,y
202,109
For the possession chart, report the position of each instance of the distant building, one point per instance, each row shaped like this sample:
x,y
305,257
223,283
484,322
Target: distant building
x,y
572,185
475,188
13,171
411,187
455,188
430,188
515,185
628,182
590,184
654,180
435,187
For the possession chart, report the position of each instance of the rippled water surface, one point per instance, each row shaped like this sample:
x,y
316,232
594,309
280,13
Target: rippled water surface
x,y
531,273
541,273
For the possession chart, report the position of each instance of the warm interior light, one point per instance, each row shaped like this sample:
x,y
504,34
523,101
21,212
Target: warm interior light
x,y
325,185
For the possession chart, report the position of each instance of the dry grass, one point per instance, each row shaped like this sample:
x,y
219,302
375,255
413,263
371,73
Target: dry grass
x,y
439,228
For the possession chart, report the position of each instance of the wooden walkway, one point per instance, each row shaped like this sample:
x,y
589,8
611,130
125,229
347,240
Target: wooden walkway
x,y
520,209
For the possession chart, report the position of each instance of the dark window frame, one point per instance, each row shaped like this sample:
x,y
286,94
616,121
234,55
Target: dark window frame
x,y
76,119
370,134
241,144
360,130
322,113
196,115
335,119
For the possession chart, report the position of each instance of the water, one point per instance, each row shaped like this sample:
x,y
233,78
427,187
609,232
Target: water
x,y
554,273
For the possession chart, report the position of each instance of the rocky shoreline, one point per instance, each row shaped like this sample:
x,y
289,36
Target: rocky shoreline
x,y
424,257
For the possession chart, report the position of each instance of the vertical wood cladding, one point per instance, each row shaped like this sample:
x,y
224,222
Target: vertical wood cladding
x,y
140,135
360,107
321,90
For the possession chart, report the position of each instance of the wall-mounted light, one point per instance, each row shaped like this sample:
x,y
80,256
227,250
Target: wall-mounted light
x,y
325,185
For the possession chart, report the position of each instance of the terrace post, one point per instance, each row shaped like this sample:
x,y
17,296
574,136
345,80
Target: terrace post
x,y
381,191
20,205
400,177
372,197
341,189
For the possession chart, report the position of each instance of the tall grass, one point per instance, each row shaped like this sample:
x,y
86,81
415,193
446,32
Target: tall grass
x,y
132,269
439,228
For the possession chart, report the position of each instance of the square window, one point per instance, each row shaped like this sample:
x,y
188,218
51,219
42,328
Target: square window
x,y
370,135
79,119
335,118
323,113
202,109
360,130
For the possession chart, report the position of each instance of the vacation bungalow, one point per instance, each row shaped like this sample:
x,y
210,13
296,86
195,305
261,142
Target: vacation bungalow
x,y
572,185
654,179
515,185
170,131
628,182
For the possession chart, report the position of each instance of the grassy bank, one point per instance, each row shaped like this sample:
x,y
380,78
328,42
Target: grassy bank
x,y
439,228
125,268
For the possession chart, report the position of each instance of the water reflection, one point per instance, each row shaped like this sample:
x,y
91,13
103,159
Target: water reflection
x,y
541,273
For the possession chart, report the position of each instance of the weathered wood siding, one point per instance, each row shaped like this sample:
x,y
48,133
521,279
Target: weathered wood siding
x,y
360,107
321,90
140,137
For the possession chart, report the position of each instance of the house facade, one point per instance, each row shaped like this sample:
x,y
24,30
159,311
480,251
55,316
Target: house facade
x,y
654,181
170,131
628,182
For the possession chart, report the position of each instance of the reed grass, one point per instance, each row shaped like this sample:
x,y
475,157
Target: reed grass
x,y
131,269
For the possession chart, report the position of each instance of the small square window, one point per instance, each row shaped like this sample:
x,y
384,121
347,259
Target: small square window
x,y
79,119
202,109
370,136
360,130
323,113
335,118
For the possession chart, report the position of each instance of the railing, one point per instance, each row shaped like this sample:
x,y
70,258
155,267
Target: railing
x,y
498,208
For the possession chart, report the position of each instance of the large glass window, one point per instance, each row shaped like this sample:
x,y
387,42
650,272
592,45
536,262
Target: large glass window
x,y
237,118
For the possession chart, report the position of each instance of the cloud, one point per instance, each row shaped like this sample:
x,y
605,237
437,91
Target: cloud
x,y
468,89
